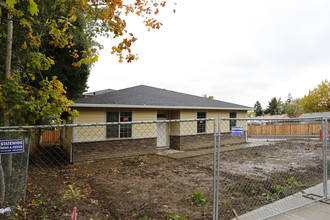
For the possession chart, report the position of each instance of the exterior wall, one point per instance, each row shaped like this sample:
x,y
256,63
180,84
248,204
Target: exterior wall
x,y
113,148
225,114
174,128
199,141
98,133
90,143
66,136
189,139
216,114
189,127
86,116
242,114
191,142
144,115
90,115
144,130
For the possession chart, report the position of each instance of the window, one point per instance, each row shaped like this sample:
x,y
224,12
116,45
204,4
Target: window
x,y
232,123
201,125
122,131
126,130
161,115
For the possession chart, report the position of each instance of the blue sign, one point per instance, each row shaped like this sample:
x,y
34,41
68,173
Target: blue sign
x,y
11,146
237,131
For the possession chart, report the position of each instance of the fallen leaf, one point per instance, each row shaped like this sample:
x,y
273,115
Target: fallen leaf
x,y
95,202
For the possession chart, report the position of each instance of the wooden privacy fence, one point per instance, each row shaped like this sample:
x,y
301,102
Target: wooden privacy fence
x,y
50,137
285,129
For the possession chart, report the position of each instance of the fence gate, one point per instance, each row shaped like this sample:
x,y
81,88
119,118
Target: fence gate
x,y
14,157
262,162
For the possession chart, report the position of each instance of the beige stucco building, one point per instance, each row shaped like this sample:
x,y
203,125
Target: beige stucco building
x,y
147,104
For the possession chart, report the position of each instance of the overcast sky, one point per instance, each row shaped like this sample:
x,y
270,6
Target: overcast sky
x,y
238,51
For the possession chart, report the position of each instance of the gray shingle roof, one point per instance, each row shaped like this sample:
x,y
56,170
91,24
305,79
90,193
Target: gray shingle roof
x,y
98,92
150,96
315,115
283,116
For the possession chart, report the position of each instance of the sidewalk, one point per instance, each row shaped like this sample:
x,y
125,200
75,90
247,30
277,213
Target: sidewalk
x,y
296,207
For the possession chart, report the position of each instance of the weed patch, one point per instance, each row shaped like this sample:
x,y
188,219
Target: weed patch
x,y
197,198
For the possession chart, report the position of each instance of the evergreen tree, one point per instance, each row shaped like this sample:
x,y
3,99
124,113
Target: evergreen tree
x,y
73,78
289,99
258,109
274,107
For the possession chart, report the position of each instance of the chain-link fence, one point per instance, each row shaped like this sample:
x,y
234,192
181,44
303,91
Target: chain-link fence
x,y
14,153
125,170
168,169
279,158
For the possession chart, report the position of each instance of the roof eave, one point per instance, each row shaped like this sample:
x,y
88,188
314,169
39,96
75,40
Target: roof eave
x,y
78,105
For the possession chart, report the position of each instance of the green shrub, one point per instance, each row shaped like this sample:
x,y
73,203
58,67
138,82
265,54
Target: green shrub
x,y
174,217
279,191
197,198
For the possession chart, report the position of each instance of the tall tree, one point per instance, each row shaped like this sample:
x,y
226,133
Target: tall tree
x,y
274,106
46,36
318,99
258,109
293,109
31,91
73,78
289,98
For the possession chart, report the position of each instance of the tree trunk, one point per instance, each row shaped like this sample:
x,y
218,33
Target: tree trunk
x,y
2,184
2,177
8,73
6,117
9,48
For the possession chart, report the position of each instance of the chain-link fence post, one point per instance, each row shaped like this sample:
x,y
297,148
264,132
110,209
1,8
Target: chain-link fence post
x,y
215,188
325,159
27,141
218,168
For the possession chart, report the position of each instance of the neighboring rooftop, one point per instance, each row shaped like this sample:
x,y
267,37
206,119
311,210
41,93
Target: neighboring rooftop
x,y
315,115
148,97
283,116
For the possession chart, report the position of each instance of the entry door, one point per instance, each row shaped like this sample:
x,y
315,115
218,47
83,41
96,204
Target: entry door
x,y
161,135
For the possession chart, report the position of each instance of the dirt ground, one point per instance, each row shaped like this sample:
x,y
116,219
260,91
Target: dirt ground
x,y
155,186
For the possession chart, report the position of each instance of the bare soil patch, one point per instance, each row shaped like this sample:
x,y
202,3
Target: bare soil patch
x,y
150,187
